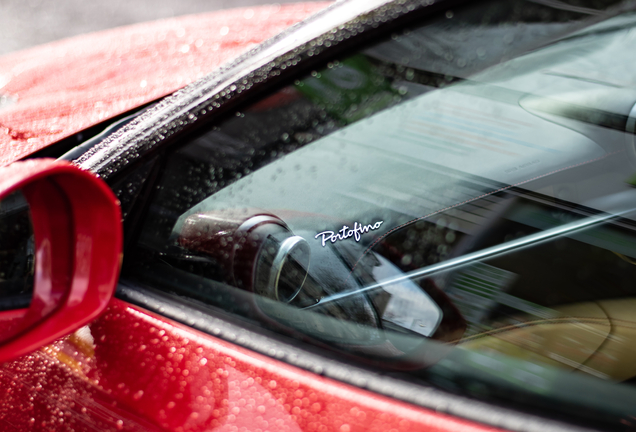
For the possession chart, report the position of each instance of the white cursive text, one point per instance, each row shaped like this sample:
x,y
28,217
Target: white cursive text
x,y
346,232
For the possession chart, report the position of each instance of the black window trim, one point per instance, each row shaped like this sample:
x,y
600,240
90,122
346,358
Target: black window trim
x,y
294,52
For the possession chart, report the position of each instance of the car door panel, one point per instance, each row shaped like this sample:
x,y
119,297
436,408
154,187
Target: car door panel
x,y
133,370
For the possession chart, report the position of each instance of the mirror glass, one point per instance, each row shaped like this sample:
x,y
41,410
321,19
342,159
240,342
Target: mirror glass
x,y
17,262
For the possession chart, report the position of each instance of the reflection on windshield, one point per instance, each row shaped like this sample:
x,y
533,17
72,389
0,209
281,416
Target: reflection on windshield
x,y
432,206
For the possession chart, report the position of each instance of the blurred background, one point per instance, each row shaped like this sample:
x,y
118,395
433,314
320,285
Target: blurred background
x,y
25,23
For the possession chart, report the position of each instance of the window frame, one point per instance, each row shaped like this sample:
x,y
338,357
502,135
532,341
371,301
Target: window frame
x,y
183,114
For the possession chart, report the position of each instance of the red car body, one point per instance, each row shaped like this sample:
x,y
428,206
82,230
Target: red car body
x,y
65,87
131,369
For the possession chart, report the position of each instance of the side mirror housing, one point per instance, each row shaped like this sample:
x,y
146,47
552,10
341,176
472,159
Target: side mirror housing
x,y
75,242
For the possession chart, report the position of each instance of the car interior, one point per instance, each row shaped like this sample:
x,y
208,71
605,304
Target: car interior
x,y
428,206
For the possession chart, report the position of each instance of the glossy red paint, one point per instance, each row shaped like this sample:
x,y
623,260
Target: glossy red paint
x,y
133,365
78,239
64,87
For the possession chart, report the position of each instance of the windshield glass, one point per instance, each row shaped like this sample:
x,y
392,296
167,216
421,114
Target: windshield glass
x,y
456,202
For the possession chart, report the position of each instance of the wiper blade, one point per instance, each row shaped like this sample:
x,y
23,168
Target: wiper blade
x,y
556,4
471,258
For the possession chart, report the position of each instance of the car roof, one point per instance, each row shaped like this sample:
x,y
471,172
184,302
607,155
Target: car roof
x,y
56,90
332,29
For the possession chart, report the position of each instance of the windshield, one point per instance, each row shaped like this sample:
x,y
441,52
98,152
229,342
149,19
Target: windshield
x,y
456,202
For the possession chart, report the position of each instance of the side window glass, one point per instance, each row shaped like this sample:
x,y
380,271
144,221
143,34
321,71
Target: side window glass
x,y
455,202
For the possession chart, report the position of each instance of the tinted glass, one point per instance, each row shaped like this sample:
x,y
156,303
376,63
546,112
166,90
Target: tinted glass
x,y
456,202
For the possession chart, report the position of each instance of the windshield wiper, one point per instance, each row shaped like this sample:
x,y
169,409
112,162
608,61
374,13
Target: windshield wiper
x,y
471,258
556,4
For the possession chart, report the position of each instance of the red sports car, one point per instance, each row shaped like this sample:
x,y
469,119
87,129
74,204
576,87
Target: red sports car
x,y
393,216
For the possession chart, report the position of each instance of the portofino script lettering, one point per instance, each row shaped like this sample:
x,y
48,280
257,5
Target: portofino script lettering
x,y
347,232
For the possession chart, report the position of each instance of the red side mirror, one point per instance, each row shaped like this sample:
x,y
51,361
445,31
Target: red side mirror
x,y
60,252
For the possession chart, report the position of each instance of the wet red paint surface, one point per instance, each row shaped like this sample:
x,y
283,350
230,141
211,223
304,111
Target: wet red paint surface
x,y
64,87
136,371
